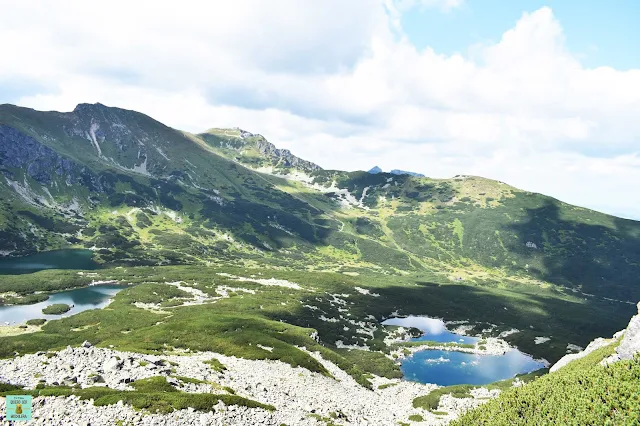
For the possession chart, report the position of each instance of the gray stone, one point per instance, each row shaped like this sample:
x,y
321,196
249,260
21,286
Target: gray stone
x,y
596,344
112,364
96,378
630,344
69,380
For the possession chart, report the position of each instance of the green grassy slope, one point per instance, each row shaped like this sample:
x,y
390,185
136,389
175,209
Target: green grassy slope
x,y
471,227
534,311
142,194
150,194
581,393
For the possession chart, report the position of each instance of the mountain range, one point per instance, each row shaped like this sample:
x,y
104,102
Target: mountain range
x,y
376,170
276,275
138,192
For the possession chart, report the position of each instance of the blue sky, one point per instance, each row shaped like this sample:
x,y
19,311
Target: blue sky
x,y
542,95
598,32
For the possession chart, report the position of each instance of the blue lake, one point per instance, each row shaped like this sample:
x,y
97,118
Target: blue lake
x,y
82,299
447,368
433,329
55,259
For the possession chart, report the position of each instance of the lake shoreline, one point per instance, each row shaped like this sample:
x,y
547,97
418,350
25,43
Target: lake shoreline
x,y
80,298
419,362
494,345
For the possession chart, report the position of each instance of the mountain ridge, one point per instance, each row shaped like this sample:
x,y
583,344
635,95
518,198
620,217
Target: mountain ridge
x,y
234,184
243,250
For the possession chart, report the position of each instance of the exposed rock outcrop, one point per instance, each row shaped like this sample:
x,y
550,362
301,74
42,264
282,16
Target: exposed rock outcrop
x,y
595,345
41,163
283,157
629,346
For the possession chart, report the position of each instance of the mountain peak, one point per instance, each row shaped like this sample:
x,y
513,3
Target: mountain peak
x,y
376,170
82,107
238,143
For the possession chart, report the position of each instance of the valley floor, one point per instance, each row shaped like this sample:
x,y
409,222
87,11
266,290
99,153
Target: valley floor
x,y
240,346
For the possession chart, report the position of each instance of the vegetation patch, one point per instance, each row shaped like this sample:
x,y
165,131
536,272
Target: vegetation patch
x,y
581,393
432,399
372,362
216,365
387,385
28,299
56,309
151,395
191,380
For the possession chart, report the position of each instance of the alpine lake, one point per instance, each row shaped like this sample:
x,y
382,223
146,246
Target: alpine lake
x,y
441,367
80,299
449,367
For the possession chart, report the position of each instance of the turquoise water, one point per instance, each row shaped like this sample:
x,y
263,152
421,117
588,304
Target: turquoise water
x,y
82,299
446,368
56,259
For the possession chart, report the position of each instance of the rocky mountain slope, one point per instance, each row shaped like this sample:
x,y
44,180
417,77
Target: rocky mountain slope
x,y
235,248
137,191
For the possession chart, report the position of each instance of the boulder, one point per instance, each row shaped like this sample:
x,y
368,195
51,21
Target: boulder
x,y
69,380
95,378
630,344
112,364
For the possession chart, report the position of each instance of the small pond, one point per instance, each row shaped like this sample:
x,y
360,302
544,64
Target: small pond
x,y
82,299
56,259
447,368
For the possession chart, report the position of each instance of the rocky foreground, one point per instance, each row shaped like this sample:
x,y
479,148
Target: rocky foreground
x,y
301,397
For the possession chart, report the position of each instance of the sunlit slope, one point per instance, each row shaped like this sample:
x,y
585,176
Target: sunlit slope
x,y
582,393
125,184
139,192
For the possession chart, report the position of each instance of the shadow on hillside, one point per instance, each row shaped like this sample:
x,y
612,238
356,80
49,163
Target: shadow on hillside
x,y
534,314
593,257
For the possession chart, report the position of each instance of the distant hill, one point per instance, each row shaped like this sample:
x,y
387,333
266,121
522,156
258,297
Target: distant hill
x,y
402,172
377,170
138,192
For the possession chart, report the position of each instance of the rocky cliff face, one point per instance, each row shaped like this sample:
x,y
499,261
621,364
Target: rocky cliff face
x,y
280,157
629,346
41,163
284,157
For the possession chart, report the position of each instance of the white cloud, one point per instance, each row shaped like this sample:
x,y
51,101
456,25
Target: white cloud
x,y
338,83
405,5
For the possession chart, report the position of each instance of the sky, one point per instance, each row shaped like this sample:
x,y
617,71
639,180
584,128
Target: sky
x,y
542,95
